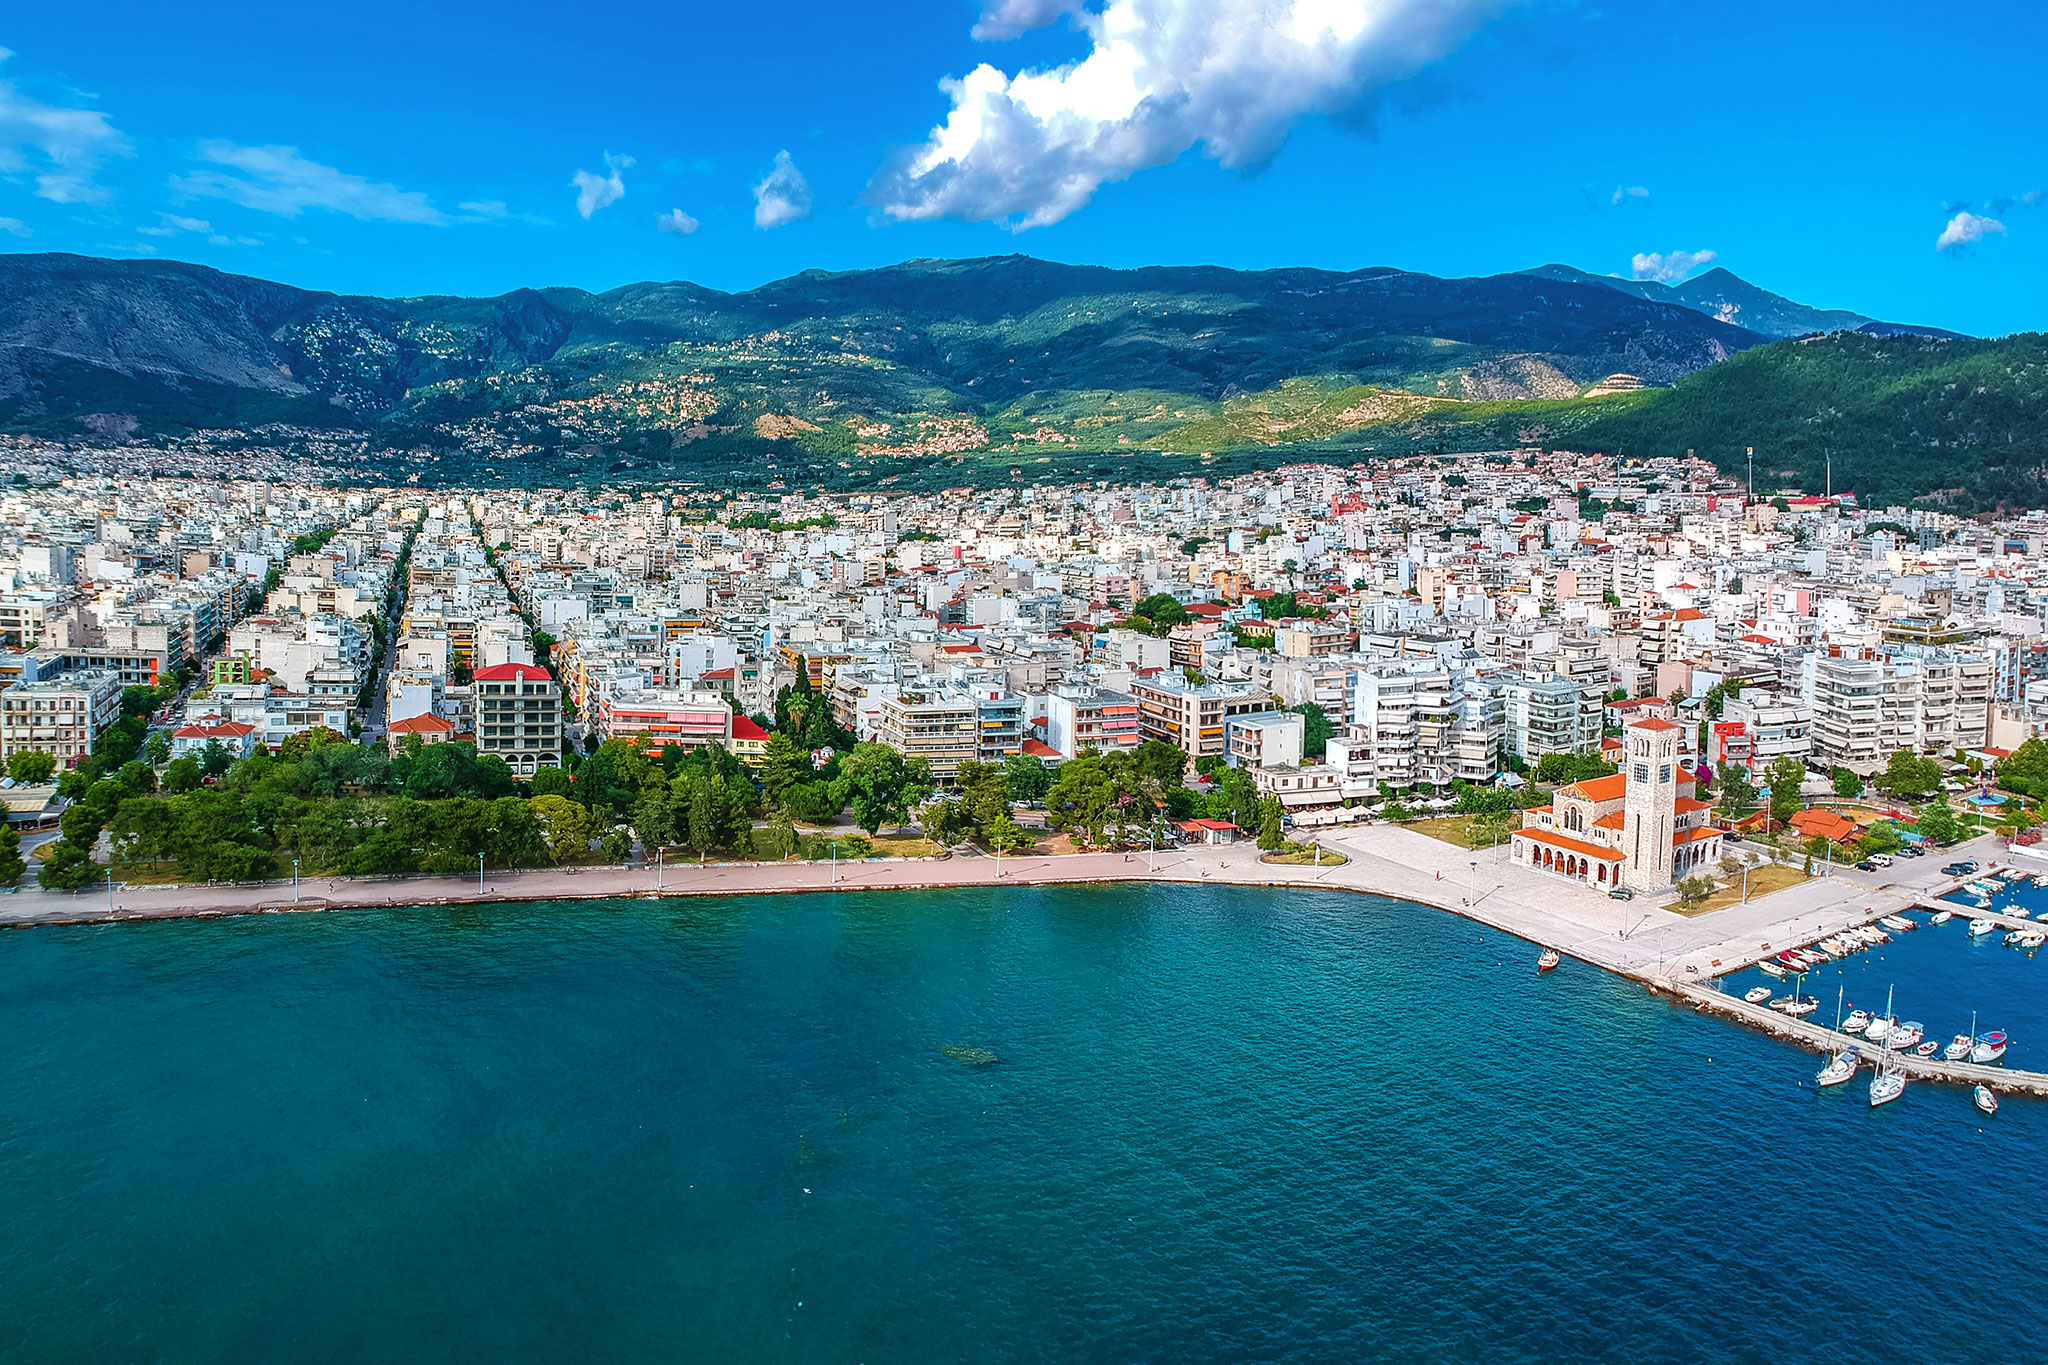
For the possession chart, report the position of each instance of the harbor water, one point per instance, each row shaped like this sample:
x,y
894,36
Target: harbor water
x,y
1129,1124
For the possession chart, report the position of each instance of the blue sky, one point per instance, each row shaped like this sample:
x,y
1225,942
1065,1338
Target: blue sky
x,y
1821,150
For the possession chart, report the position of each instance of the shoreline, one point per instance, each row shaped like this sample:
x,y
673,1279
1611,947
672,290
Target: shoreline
x,y
1672,955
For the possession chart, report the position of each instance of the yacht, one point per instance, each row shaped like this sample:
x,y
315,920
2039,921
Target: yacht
x,y
1898,924
1989,1048
1958,1048
1839,1069
1549,959
1941,917
1888,1082
1772,969
1880,1028
1799,1006
1756,995
1905,1035
1981,927
2033,938
1857,1021
1986,1101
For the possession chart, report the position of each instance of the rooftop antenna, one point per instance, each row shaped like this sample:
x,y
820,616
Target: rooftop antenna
x,y
1752,472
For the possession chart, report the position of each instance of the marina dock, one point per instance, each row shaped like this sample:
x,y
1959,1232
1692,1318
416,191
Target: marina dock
x,y
1817,1038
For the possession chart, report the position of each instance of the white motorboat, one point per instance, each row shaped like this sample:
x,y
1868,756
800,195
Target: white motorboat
x,y
1958,1048
2032,938
1881,1026
1799,1006
1888,1082
1989,1048
1941,917
1840,1068
1899,924
2041,880
1905,1035
1981,927
1772,969
2016,912
1549,960
1756,995
1985,1101
1857,1021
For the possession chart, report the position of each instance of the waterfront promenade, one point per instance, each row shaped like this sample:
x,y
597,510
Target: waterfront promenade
x,y
1635,938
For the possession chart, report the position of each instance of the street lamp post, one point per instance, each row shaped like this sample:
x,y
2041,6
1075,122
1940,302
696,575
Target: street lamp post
x,y
110,890
295,881
835,860
1472,892
479,874
660,864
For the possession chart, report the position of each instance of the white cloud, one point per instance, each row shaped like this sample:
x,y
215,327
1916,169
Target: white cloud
x,y
484,208
1003,20
594,192
675,221
14,227
222,239
1230,76
1668,267
279,180
1623,193
68,145
784,196
170,225
1965,228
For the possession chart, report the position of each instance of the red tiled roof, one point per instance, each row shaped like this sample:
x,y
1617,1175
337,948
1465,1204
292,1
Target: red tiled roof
x,y
226,729
1038,748
513,673
1653,723
742,728
1571,845
423,724
1610,788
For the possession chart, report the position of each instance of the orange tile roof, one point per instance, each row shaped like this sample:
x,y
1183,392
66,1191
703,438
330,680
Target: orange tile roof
x,y
1571,845
1653,723
1610,788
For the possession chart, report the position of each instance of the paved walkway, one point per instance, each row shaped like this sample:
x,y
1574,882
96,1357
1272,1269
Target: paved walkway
x,y
1632,937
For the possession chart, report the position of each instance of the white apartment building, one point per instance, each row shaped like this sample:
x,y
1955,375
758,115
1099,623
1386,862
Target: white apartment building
x,y
64,717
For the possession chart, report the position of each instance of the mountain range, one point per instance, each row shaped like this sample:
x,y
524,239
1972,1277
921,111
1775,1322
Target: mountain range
x,y
999,367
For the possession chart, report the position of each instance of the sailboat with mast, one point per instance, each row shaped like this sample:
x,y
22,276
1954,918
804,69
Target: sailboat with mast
x,y
1888,1082
1843,1064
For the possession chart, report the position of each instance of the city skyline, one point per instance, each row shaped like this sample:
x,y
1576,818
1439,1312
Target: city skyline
x,y
730,149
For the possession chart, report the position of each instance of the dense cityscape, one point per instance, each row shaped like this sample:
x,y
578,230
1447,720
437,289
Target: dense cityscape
x,y
601,678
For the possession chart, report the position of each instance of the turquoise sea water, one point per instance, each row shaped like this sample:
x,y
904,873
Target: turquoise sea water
x,y
1225,1125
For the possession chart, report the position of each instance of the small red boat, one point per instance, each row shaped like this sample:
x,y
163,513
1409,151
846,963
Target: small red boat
x,y
1549,959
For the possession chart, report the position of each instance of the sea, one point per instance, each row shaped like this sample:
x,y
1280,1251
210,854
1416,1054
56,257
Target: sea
x,y
1056,1124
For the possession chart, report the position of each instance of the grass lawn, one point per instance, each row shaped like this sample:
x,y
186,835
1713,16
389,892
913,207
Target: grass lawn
x,y
1763,880
1305,857
1456,829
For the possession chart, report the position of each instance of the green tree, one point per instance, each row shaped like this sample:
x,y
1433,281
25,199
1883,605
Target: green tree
x,y
1848,785
1028,777
68,868
11,863
552,781
1907,774
158,749
788,763
1784,776
1564,769
1270,837
215,759
565,824
1317,731
1737,793
2025,769
31,767
1938,822
701,824
1694,891
883,785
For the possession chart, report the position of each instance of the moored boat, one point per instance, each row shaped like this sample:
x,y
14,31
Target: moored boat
x,y
1981,927
1985,1101
1925,1052
1772,969
1958,1048
1840,1068
1941,917
1905,1035
1899,924
1756,995
1888,1082
1857,1021
1989,1048
1549,960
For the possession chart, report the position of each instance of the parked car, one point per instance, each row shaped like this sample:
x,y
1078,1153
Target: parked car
x,y
1908,851
1866,866
1880,860
1621,893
